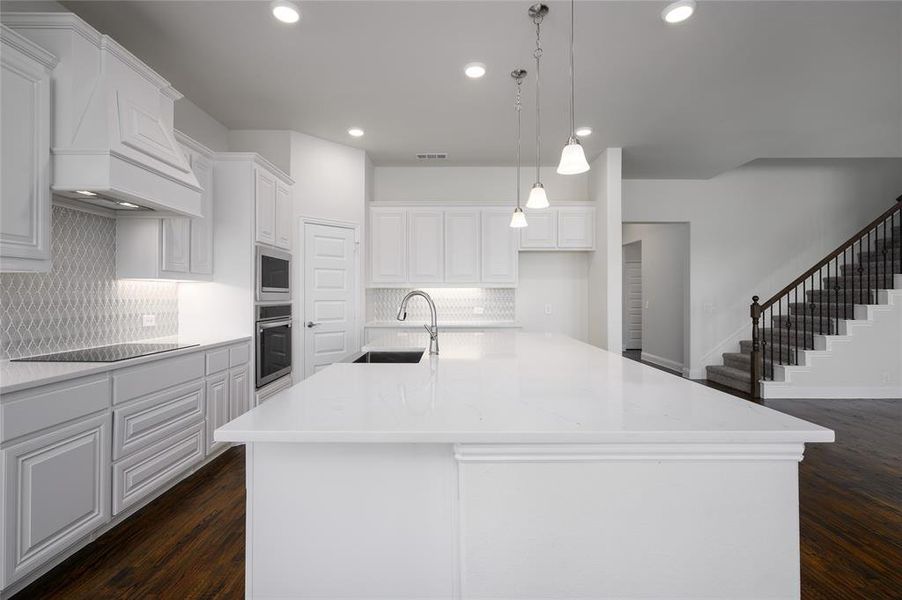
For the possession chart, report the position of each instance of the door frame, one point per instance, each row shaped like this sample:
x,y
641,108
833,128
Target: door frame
x,y
299,301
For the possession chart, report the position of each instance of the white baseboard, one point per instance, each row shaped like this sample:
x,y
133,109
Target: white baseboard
x,y
663,362
776,391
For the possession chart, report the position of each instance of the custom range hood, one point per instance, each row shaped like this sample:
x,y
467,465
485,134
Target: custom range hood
x,y
112,138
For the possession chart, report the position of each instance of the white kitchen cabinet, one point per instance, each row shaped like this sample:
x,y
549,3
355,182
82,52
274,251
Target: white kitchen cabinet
x,y
25,70
57,490
462,250
202,229
499,247
425,246
388,245
265,198
284,216
576,228
179,248
239,392
541,234
217,409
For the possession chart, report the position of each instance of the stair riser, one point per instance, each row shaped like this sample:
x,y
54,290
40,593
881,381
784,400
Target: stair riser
x,y
879,282
783,337
742,386
872,268
819,310
800,326
847,296
743,362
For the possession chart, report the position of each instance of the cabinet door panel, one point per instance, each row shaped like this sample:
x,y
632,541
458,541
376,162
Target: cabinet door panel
x,y
425,246
149,420
499,247
266,207
462,247
57,491
542,230
24,163
217,409
175,245
202,228
239,392
388,245
576,228
284,216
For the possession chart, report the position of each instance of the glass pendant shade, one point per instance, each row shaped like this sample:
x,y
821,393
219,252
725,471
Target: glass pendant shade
x,y
537,197
518,219
573,159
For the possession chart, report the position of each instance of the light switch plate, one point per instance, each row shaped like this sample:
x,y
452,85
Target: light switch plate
x,y
149,320
478,310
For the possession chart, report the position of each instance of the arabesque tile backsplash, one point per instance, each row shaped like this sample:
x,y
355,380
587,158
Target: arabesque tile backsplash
x,y
80,303
451,304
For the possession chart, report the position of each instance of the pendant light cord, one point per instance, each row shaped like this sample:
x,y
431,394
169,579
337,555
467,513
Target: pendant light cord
x,y
572,117
519,137
538,55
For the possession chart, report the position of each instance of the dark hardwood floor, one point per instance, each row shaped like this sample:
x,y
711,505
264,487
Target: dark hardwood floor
x,y
189,543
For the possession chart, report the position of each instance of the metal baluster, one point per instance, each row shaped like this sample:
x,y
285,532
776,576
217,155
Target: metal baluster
x,y
805,326
820,285
771,341
780,321
756,348
793,320
852,279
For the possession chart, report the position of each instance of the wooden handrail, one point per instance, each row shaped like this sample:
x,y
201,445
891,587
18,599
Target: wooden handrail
x,y
840,250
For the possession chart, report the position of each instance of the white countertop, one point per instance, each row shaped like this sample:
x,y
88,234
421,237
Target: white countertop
x,y
412,324
510,387
16,376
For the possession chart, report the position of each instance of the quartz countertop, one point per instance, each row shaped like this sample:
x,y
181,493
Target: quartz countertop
x,y
17,376
414,324
510,387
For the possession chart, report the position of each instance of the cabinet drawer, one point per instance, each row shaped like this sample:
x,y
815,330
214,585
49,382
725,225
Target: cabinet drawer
x,y
148,378
144,422
217,360
57,490
141,474
32,410
239,355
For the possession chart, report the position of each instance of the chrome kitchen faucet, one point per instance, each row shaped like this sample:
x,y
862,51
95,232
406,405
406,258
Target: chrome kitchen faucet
x,y
431,329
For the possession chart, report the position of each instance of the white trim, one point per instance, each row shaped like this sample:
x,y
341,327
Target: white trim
x,y
541,453
257,159
186,140
24,45
663,362
470,204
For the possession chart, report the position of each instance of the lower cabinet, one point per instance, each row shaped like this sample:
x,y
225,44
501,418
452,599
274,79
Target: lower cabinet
x,y
217,408
57,490
239,392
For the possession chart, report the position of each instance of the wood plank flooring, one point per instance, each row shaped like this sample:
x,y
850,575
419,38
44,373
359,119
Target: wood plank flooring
x,y
189,543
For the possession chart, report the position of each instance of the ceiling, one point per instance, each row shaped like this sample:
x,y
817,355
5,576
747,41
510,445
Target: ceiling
x,y
740,80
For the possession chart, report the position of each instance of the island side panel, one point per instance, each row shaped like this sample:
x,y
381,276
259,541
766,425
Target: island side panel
x,y
629,522
352,521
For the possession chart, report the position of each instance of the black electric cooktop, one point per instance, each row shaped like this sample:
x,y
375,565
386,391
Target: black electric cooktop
x,y
113,353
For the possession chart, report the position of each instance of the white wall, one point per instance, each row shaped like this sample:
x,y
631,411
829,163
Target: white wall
x,y
190,119
605,264
331,183
273,145
665,290
756,228
559,280
471,184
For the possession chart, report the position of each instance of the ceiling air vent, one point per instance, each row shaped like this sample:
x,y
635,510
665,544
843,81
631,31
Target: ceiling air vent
x,y
432,155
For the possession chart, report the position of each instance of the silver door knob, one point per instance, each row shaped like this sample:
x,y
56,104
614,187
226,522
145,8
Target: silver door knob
x,y
311,324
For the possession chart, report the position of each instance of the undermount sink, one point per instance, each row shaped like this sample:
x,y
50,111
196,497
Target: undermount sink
x,y
391,356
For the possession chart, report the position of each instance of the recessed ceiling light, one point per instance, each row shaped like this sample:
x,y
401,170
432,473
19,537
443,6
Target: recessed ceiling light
x,y
128,205
285,11
355,131
678,11
583,131
474,70
85,193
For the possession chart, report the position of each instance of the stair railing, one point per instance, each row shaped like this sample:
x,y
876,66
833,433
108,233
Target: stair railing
x,y
778,337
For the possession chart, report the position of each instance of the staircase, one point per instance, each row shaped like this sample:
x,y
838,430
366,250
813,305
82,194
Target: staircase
x,y
816,304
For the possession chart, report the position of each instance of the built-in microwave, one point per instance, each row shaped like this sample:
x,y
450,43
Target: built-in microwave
x,y
273,275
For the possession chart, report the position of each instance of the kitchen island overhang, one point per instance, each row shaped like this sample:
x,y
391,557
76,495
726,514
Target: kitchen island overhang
x,y
519,466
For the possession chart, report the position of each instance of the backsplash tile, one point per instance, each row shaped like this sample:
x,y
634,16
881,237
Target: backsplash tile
x,y
79,303
452,304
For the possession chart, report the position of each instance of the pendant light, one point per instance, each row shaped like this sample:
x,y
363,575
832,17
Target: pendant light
x,y
573,158
518,219
537,196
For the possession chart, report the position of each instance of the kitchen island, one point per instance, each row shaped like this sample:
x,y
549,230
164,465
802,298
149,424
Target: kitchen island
x,y
518,465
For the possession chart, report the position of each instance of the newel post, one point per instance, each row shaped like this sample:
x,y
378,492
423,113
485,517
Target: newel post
x,y
757,362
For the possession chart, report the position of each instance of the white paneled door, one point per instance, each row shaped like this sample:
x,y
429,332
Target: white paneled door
x,y
632,305
330,295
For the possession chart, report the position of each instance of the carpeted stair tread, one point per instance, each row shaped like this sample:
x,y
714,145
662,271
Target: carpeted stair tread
x,y
823,310
807,325
729,377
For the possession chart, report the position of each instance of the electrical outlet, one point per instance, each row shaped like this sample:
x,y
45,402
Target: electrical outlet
x,y
547,309
149,320
478,310
884,377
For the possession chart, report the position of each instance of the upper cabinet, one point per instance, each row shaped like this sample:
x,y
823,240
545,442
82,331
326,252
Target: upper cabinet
x,y
274,214
181,248
25,154
565,227
420,245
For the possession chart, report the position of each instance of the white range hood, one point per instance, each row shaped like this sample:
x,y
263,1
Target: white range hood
x,y
112,121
